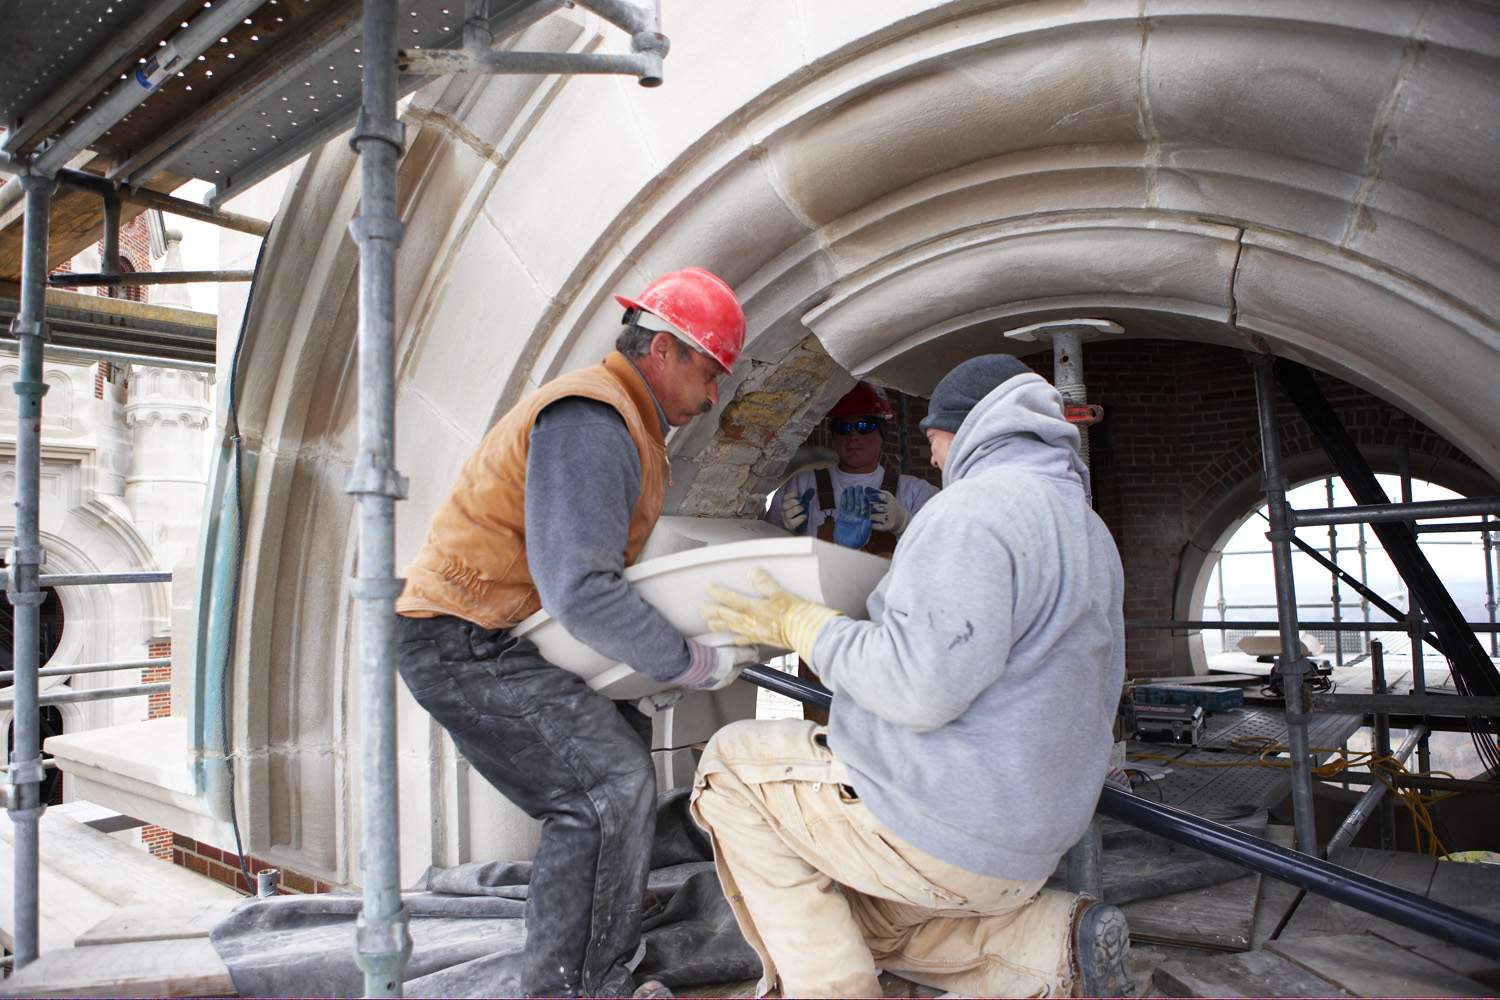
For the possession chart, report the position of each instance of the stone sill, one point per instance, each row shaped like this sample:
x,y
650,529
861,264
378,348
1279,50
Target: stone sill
x,y
142,770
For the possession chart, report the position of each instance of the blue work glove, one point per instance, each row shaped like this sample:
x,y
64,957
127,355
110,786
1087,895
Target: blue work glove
x,y
851,522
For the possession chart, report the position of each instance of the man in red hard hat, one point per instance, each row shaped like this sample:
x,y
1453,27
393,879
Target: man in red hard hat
x,y
859,503
546,514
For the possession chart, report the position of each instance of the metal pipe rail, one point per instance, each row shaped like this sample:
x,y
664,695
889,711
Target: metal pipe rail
x,y
1272,624
1377,513
103,579
23,782
1425,782
1443,706
90,668
1351,888
118,278
1371,800
1486,526
146,198
95,694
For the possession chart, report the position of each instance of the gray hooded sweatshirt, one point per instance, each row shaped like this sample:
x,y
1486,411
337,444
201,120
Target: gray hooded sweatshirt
x,y
974,708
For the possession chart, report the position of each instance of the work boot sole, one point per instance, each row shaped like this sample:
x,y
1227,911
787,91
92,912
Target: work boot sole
x,y
1103,940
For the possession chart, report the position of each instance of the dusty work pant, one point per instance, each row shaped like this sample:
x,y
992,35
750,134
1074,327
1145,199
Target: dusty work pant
x,y
568,756
828,896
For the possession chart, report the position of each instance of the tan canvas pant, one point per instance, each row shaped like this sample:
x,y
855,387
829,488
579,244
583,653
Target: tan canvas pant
x,y
829,897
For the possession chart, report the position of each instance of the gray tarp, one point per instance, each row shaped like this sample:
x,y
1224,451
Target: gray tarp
x,y
468,926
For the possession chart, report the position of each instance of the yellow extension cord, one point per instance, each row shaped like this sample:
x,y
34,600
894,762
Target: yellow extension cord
x,y
1384,768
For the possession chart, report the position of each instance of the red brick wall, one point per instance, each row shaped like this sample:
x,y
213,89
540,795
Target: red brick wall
x,y
223,866
158,705
1180,432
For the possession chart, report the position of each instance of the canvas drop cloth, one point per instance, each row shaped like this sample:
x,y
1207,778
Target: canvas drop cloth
x,y
468,927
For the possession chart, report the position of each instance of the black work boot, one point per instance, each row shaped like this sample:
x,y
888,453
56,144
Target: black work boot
x,y
1101,940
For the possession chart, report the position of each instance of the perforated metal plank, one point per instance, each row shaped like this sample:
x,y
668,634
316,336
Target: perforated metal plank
x,y
45,42
316,95
1199,788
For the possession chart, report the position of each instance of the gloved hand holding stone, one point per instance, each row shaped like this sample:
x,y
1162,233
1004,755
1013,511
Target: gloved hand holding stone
x,y
713,667
887,513
776,618
851,522
794,510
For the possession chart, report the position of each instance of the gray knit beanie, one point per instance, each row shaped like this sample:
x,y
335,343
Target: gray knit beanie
x,y
961,389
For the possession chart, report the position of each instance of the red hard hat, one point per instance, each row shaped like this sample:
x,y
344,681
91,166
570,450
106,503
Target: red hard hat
x,y
864,400
701,306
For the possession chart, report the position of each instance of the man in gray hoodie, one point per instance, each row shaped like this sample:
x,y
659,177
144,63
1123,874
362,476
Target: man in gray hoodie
x,y
969,733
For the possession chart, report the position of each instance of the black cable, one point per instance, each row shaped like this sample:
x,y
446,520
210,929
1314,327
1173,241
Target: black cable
x,y
233,421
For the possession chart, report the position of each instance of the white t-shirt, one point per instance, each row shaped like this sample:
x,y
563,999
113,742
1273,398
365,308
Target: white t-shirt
x,y
911,493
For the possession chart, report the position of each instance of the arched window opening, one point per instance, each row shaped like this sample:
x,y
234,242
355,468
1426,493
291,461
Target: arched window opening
x,y
49,723
1241,584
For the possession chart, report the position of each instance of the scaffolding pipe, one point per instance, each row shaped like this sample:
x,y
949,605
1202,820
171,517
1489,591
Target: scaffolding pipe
x,y
115,279
110,262
1369,595
1377,513
1382,735
6,676
1446,923
382,938
23,790
1292,665
1424,781
1414,627
1373,797
1271,623
146,198
1439,705
161,63
66,696
119,357
1489,585
104,579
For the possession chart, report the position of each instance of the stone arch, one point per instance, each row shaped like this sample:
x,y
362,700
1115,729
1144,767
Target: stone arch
x,y
889,187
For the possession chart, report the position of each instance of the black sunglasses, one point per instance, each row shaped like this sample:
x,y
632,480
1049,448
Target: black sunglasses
x,y
864,425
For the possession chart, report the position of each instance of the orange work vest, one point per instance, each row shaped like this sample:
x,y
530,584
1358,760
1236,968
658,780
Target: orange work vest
x,y
473,563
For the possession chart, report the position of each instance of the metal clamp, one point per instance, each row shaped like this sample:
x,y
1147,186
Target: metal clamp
x,y
30,771
377,945
388,130
369,588
30,390
374,227
31,555
377,478
28,328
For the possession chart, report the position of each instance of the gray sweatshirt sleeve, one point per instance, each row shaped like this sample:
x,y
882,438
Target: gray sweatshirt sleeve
x,y
583,478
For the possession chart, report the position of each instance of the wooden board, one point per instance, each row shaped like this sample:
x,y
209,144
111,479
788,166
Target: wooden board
x,y
1254,973
154,923
1218,917
1276,897
1484,969
1366,965
175,968
1319,915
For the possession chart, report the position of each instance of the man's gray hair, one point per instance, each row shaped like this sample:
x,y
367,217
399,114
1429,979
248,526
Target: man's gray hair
x,y
635,341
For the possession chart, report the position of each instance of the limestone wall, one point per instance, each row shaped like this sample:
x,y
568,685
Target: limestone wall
x,y
889,185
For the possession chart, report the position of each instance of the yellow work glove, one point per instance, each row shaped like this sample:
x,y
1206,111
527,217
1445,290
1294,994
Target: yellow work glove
x,y
776,618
